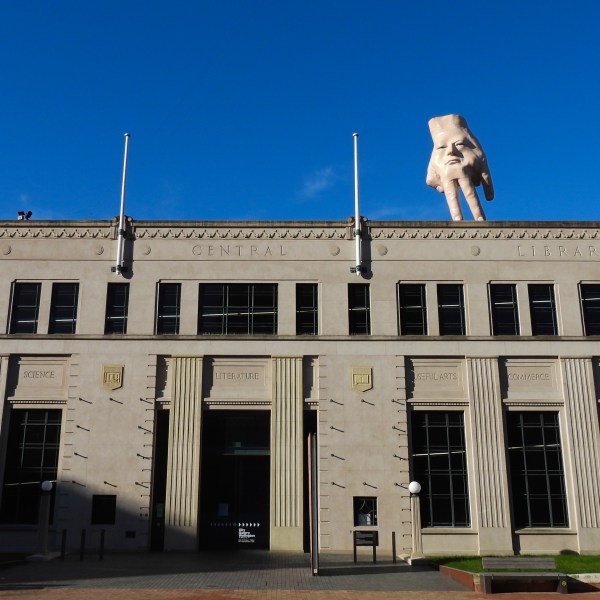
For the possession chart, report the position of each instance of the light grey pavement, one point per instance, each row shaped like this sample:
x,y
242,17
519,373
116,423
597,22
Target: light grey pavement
x,y
241,575
248,570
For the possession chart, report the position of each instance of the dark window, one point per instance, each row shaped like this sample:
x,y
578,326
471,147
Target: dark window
x,y
505,312
590,305
451,309
31,457
365,510
307,309
439,464
536,470
168,308
63,308
359,311
413,309
117,305
104,509
243,308
25,307
543,309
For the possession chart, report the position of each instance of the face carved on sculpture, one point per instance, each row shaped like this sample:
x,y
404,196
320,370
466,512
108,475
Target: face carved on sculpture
x,y
455,154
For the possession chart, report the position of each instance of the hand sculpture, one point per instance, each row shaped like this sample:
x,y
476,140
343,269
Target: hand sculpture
x,y
457,160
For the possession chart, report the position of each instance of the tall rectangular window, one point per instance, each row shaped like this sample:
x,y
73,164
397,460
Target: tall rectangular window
x,y
117,307
439,464
359,309
31,457
536,470
168,307
307,309
413,309
238,308
543,309
590,307
451,309
25,307
505,311
63,308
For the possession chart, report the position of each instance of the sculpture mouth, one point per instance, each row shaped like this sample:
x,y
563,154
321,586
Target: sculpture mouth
x,y
453,161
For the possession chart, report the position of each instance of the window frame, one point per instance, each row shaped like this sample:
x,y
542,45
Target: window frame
x,y
70,310
497,312
521,484
446,309
167,324
434,476
24,444
15,323
591,326
359,309
256,315
114,312
307,314
537,312
413,317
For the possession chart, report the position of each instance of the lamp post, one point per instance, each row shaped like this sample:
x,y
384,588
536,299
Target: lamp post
x,y
414,487
44,517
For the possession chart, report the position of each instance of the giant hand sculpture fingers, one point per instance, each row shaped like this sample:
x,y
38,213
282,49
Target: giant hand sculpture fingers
x,y
488,186
470,193
450,189
458,159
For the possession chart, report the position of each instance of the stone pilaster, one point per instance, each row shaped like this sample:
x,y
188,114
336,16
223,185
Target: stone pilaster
x,y
4,412
183,471
286,454
582,426
491,515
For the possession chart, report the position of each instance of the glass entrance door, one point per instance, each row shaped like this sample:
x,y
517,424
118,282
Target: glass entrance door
x,y
234,479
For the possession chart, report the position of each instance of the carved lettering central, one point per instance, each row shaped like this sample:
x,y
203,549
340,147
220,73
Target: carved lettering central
x,y
436,376
239,250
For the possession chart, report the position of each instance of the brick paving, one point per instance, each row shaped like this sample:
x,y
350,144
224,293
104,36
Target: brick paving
x,y
249,575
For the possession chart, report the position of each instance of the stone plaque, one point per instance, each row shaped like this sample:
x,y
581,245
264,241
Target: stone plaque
x,y
40,378
436,378
529,379
112,377
362,379
238,379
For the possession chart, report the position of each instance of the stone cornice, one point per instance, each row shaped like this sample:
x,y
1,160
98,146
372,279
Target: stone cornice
x,y
58,229
490,230
233,230
309,230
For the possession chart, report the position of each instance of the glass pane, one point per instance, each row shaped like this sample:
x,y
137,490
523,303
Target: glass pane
x,y
413,309
505,317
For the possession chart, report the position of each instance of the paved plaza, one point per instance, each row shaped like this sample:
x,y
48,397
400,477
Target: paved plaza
x,y
243,575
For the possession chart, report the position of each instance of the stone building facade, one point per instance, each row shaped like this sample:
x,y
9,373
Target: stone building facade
x,y
171,405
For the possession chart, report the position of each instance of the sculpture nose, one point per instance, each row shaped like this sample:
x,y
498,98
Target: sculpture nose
x,y
451,149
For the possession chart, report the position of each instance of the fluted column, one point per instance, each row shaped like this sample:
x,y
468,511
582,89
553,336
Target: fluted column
x,y
492,511
286,454
582,426
183,471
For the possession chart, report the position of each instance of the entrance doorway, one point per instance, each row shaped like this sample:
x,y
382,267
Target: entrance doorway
x,y
235,479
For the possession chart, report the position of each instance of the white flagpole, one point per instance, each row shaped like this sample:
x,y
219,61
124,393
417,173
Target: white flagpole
x,y
357,227
121,232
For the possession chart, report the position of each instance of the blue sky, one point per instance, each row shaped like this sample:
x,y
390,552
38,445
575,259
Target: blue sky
x,y
245,109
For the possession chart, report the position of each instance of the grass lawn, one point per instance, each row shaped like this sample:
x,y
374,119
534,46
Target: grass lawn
x,y
565,563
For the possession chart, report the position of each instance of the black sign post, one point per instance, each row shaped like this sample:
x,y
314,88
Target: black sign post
x,y
366,538
314,506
